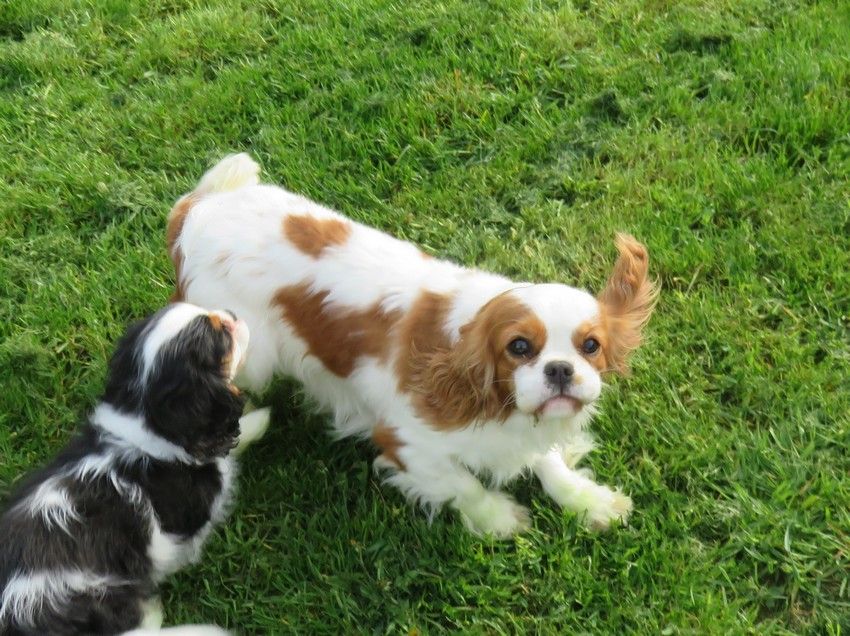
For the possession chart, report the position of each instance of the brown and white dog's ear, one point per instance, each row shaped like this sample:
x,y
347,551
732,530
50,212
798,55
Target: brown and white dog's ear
x,y
457,384
472,379
627,301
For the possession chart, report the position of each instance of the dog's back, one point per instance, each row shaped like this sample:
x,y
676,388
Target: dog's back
x,y
73,557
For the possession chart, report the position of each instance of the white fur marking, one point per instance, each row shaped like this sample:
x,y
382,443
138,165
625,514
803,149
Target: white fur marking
x,y
26,595
52,502
494,514
131,431
93,466
169,325
152,615
231,173
252,427
166,551
575,491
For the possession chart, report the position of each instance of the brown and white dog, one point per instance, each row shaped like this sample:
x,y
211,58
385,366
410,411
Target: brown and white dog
x,y
454,373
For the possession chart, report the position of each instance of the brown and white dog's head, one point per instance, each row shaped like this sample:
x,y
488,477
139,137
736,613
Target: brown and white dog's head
x,y
542,349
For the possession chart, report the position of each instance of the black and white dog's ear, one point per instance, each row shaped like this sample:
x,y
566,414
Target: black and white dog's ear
x,y
188,399
123,381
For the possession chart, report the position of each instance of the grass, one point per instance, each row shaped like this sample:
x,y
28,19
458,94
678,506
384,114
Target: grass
x,y
516,136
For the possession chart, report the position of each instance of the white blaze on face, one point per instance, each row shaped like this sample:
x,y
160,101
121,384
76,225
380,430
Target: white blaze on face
x,y
169,325
562,310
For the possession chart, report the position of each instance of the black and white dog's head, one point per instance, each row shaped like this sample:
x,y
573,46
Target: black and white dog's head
x,y
169,393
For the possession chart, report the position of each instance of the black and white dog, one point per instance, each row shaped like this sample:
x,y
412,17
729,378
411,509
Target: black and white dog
x,y
131,499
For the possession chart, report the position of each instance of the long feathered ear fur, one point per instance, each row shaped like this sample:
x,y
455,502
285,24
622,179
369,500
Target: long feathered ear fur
x,y
459,383
627,301
187,398
472,379
123,386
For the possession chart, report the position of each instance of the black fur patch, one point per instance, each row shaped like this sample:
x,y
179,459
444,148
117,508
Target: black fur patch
x,y
187,399
182,495
109,538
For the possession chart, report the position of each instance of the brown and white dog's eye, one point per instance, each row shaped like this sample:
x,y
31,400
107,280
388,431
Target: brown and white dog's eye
x,y
590,346
520,347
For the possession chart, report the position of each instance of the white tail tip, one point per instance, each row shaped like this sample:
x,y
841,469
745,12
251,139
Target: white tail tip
x,y
231,173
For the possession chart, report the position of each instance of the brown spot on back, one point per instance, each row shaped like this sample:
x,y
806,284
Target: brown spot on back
x,y
338,336
176,220
225,364
385,438
177,217
454,385
312,236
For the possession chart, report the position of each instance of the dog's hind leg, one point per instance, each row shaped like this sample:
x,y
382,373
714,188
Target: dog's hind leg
x,y
434,481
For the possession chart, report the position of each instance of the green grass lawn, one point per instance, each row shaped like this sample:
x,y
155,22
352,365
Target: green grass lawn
x,y
517,136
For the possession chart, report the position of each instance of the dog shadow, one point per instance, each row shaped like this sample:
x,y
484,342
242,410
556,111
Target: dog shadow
x,y
314,533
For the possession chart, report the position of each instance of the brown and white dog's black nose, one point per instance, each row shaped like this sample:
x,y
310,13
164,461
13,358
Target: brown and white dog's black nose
x,y
559,374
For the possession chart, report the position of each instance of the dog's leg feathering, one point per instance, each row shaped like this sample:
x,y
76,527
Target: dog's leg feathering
x,y
435,481
573,490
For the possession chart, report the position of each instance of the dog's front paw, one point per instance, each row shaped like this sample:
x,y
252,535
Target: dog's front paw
x,y
604,506
494,514
252,427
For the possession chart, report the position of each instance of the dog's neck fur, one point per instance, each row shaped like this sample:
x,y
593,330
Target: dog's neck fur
x,y
131,433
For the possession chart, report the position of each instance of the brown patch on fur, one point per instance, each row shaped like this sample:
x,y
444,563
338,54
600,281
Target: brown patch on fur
x,y
177,217
337,336
176,220
421,334
626,303
217,325
179,292
593,329
312,236
225,365
385,438
454,385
